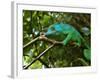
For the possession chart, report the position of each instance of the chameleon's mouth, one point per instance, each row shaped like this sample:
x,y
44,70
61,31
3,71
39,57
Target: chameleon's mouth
x,y
49,33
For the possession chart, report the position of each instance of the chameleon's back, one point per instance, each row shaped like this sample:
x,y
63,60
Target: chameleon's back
x,y
67,28
61,27
75,35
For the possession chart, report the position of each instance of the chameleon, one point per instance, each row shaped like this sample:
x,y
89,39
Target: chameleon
x,y
71,34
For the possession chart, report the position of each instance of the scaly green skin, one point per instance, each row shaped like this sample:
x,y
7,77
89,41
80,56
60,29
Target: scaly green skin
x,y
71,33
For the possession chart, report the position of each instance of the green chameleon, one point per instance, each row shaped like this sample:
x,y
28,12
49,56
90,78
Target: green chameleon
x,y
71,35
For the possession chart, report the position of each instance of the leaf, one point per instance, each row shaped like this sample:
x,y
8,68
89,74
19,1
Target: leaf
x,y
36,65
46,19
27,59
87,54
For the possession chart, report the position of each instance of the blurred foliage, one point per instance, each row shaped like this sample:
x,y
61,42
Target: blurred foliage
x,y
35,22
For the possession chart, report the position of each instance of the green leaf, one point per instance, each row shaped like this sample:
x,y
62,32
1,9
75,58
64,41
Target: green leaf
x,y
36,65
87,54
27,59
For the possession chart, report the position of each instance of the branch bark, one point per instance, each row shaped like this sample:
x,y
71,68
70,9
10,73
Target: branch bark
x,y
43,38
45,64
26,45
26,67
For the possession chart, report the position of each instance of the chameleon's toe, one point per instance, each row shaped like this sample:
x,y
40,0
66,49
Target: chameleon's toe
x,y
77,44
64,43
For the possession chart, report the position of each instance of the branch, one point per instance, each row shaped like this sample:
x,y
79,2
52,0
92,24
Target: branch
x,y
39,60
42,37
38,56
83,61
43,63
80,59
30,42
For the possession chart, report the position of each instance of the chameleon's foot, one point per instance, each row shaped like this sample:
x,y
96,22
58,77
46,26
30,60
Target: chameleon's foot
x,y
77,44
64,42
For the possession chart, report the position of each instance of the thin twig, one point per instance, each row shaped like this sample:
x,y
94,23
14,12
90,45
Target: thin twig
x,y
42,62
31,42
83,61
45,64
39,56
80,59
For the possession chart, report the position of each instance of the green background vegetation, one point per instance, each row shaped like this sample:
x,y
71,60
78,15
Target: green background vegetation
x,y
35,22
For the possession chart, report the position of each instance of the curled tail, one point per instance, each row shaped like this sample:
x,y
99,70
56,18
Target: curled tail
x,y
87,50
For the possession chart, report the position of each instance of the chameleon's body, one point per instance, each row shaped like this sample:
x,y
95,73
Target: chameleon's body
x,y
71,33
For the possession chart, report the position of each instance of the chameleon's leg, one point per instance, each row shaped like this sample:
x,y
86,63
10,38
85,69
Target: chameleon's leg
x,y
78,42
67,39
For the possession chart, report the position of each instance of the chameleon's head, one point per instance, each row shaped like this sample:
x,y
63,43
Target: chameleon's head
x,y
50,31
54,29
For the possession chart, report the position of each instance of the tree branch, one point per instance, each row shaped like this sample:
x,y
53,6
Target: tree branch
x,y
42,37
80,59
26,67
43,63
39,60
31,42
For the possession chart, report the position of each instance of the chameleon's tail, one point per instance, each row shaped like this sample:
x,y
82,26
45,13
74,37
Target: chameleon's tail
x,y
87,50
